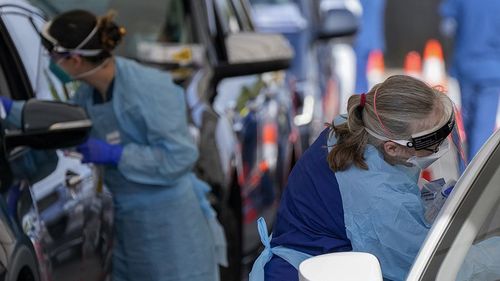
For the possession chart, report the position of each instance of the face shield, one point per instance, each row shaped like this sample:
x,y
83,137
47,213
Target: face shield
x,y
450,131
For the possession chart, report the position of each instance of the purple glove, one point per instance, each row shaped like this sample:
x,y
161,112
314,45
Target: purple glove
x,y
100,152
7,104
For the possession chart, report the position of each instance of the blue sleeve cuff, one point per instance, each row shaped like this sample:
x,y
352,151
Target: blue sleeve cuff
x,y
15,116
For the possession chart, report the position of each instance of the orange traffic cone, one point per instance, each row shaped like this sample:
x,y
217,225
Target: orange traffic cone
x,y
413,64
434,70
375,68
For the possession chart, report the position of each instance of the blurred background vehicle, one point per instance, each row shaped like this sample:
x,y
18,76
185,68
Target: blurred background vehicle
x,y
55,200
322,74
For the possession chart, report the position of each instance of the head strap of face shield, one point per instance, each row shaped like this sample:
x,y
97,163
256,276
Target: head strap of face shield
x,y
436,137
426,140
53,46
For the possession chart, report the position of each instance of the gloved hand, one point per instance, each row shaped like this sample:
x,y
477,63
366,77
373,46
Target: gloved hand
x,y
100,152
7,104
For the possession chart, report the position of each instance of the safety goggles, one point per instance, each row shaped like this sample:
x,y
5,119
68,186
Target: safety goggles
x,y
429,140
56,50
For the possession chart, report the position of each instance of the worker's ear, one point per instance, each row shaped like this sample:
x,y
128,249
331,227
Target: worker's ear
x,y
392,149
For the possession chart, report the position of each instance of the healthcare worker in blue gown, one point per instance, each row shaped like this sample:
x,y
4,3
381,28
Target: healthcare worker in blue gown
x,y
165,227
356,187
475,64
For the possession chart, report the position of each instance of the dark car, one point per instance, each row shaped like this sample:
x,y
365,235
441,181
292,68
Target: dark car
x,y
23,255
321,76
57,208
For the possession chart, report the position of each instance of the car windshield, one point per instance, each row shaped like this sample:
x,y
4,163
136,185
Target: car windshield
x,y
166,21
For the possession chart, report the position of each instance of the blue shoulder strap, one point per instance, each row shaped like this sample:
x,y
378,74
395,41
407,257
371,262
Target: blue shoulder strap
x,y
293,257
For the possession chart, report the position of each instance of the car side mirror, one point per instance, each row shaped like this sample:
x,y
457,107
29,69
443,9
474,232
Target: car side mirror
x,y
337,22
253,53
49,125
342,266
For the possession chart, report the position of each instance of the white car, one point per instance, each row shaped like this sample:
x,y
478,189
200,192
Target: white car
x,y
463,243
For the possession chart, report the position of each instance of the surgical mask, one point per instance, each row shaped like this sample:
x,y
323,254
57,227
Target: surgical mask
x,y
65,78
62,75
426,161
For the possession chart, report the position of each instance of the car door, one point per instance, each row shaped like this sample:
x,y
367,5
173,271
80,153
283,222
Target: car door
x,y
66,212
464,242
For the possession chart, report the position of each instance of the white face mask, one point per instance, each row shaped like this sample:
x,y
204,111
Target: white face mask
x,y
426,161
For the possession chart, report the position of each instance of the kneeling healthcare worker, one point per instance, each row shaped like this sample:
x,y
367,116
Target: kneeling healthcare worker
x,y
356,187
165,229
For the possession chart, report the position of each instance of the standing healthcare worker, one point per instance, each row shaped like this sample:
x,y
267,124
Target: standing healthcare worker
x,y
476,64
356,187
164,224
370,38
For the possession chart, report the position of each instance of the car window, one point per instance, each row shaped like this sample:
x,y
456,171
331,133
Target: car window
x,y
465,238
23,26
243,10
482,261
4,86
26,39
228,16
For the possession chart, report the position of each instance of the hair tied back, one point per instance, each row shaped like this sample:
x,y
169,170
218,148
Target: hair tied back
x,y
362,100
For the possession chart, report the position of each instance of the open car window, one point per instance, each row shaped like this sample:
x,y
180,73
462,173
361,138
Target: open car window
x,y
21,25
482,261
464,242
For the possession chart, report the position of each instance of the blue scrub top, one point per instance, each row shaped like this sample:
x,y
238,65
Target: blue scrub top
x,y
371,33
477,40
310,218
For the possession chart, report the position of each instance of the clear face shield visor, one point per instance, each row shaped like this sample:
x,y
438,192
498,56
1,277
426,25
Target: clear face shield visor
x,y
431,140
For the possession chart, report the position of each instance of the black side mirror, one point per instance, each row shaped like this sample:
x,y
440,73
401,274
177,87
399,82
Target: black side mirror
x,y
337,22
49,125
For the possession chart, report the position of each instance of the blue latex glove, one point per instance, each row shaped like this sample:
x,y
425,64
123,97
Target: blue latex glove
x,y
100,152
7,104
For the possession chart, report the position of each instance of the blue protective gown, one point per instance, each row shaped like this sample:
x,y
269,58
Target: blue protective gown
x,y
476,64
161,231
383,212
310,217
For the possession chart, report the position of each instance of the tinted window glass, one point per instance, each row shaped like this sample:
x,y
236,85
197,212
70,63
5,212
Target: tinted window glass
x,y
483,259
4,86
227,16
